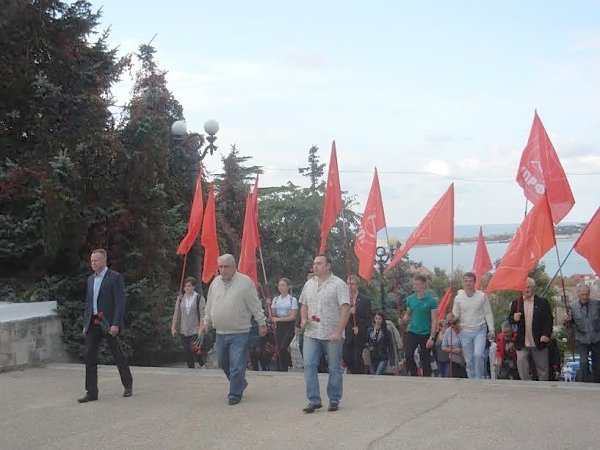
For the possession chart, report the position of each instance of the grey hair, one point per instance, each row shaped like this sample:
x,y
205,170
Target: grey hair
x,y
530,282
582,286
227,258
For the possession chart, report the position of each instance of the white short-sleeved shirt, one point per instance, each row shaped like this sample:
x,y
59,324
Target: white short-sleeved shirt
x,y
324,303
283,306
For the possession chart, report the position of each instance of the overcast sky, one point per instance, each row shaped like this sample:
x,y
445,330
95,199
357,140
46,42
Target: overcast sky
x,y
429,92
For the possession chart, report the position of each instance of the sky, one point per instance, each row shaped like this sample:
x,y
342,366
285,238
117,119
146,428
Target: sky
x,y
428,92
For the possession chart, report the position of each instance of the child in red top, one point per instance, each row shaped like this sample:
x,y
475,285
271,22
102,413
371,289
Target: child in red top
x,y
506,355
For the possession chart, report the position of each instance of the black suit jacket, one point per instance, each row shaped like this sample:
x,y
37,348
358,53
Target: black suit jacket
x,y
541,324
111,299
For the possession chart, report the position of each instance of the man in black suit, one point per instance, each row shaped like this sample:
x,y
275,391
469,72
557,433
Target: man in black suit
x,y
104,318
533,319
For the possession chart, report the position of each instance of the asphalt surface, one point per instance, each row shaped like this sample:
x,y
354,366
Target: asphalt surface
x,y
178,408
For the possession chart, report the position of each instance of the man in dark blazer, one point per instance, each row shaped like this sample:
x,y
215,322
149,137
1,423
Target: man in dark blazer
x,y
532,316
104,318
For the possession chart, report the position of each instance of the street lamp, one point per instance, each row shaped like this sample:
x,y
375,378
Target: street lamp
x,y
383,256
179,131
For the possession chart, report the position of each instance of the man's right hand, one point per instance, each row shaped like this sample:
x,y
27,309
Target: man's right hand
x,y
517,317
303,323
567,317
173,332
84,331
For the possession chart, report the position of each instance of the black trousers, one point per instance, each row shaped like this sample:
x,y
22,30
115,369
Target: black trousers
x,y
283,336
411,342
93,338
186,344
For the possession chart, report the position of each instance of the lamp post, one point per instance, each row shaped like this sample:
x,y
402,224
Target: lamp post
x,y
383,256
194,149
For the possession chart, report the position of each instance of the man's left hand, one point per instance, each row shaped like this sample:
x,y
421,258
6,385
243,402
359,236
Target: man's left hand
x,y
490,336
429,343
335,336
114,330
544,339
262,330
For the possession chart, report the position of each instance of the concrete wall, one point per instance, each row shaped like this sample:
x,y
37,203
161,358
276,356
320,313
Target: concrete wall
x,y
30,335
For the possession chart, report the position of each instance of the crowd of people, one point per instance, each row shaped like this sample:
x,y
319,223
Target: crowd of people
x,y
336,332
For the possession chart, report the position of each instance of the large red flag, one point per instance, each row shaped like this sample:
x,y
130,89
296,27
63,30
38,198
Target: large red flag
x,y
333,199
533,239
247,263
540,171
195,221
436,228
209,239
588,243
482,263
255,210
372,221
441,310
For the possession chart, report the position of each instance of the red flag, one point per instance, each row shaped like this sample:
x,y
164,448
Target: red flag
x,y
436,228
372,221
540,171
209,239
588,243
333,199
482,263
255,210
195,221
533,239
247,263
441,310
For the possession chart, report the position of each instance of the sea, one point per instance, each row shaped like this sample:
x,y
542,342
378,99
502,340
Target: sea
x,y
461,256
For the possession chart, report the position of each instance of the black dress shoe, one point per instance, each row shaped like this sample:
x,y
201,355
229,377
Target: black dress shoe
x,y
128,392
311,408
332,407
87,398
233,401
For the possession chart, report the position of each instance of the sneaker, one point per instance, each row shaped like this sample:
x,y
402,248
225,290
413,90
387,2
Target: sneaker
x,y
332,407
311,408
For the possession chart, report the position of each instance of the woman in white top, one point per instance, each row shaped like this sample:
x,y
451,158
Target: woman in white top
x,y
187,318
284,309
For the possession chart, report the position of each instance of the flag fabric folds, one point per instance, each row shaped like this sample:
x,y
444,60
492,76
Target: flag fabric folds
x,y
533,239
195,221
443,305
482,263
436,228
208,239
333,199
540,171
588,243
372,221
250,239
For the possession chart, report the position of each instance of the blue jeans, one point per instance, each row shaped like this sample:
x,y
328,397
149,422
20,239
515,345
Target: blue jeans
x,y
473,345
443,368
232,354
378,367
313,349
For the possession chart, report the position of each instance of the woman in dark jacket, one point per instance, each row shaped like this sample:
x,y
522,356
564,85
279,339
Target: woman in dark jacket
x,y
380,343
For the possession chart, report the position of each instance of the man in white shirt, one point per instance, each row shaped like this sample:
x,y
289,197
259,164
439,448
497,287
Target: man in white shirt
x,y
474,313
324,313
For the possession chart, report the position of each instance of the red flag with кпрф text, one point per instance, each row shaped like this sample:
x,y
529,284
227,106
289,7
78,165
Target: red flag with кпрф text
x,y
540,171
372,221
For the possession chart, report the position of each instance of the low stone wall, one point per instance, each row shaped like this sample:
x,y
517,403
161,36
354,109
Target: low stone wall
x,y
30,335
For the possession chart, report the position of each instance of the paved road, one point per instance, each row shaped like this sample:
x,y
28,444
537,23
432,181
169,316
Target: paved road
x,y
175,408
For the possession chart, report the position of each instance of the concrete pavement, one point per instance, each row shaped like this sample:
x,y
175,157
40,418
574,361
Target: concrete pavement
x,y
175,408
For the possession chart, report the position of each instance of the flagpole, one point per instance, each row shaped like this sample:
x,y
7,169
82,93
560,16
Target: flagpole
x,y
183,273
347,251
558,271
